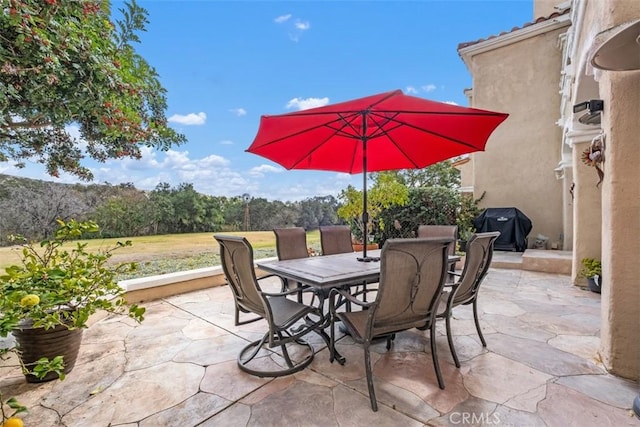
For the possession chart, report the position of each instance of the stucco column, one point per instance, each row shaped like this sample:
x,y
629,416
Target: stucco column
x,y
620,330
587,221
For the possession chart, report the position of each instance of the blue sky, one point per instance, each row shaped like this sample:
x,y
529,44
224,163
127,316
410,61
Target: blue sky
x,y
225,63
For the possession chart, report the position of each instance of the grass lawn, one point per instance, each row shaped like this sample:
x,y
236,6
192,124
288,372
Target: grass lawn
x,y
172,252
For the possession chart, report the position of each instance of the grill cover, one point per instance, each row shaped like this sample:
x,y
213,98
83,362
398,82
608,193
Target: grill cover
x,y
513,225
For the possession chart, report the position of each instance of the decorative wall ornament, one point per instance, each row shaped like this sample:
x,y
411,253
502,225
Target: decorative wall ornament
x,y
594,156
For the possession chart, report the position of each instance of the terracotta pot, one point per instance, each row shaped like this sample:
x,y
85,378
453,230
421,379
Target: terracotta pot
x,y
36,343
357,247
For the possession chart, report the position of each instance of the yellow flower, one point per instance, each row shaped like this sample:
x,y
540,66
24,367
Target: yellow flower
x,y
30,300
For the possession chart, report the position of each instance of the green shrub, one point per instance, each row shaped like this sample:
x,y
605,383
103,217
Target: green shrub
x,y
590,267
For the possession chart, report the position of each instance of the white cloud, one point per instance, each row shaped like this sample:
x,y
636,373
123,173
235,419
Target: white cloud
x,y
295,28
302,25
305,104
189,119
260,171
429,88
212,174
411,89
226,142
282,18
451,102
239,111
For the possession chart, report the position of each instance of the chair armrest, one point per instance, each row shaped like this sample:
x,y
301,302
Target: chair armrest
x,y
346,295
268,276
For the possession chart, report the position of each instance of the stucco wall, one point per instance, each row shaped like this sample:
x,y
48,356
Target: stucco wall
x,y
517,167
620,191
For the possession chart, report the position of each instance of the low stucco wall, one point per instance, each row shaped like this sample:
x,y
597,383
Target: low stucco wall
x,y
165,285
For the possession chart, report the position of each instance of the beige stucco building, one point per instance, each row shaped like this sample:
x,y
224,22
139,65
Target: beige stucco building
x,y
540,73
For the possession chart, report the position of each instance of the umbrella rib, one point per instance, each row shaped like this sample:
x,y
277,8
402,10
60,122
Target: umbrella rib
x,y
430,132
337,130
307,130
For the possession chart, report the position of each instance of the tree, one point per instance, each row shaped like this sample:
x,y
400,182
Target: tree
x,y
441,174
426,205
317,211
386,191
64,63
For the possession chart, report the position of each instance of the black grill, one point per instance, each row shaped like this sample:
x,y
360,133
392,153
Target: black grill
x,y
513,225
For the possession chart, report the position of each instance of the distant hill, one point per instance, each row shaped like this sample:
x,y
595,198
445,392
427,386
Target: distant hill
x,y
30,207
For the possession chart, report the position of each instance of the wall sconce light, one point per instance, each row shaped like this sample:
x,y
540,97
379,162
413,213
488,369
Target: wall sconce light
x,y
592,116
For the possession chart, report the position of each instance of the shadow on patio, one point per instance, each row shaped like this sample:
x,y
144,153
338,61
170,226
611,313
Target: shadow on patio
x,y
178,367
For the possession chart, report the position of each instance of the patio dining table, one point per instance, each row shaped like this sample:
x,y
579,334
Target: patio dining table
x,y
323,273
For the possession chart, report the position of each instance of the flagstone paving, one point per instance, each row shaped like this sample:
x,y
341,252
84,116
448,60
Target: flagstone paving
x,y
178,368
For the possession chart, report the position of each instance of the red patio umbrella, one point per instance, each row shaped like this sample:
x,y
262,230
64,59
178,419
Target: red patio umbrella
x,y
388,131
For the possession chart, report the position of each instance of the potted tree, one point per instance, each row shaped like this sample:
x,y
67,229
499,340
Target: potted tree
x,y
592,271
386,191
47,299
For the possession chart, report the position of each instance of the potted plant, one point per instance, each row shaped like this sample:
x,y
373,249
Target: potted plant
x,y
592,271
464,236
47,300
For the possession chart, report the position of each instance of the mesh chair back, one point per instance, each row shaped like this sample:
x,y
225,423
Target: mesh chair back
x,y
335,239
450,231
236,256
291,243
412,274
478,256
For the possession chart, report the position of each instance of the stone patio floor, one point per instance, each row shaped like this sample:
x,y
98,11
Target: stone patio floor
x,y
178,368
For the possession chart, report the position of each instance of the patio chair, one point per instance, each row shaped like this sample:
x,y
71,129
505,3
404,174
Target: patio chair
x,y
412,273
335,239
287,319
450,231
291,243
465,291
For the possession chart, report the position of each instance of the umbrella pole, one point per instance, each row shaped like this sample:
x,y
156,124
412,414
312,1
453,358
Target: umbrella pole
x,y
365,214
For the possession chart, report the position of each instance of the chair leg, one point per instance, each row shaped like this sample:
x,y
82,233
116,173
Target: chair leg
x,y
434,355
475,317
390,338
249,352
285,352
367,364
332,340
450,339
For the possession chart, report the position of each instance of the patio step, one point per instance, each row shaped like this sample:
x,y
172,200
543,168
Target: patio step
x,y
508,260
545,261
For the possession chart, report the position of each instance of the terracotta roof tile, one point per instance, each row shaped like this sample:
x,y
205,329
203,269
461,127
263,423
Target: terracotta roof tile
x,y
540,19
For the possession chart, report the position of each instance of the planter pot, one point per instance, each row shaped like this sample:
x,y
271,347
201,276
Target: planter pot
x,y
36,343
594,284
357,247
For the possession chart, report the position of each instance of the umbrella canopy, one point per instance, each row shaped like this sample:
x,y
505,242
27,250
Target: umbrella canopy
x,y
388,131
